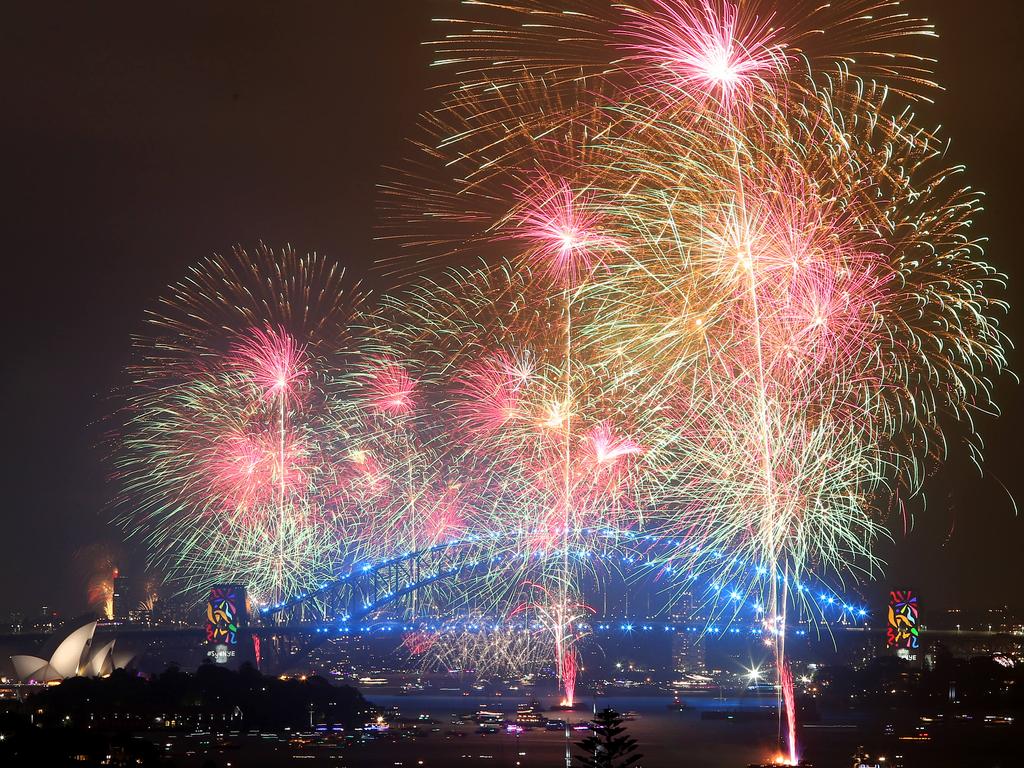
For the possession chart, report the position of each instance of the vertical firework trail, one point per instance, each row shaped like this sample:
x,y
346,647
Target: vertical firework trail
x,y
566,656
274,360
771,524
227,456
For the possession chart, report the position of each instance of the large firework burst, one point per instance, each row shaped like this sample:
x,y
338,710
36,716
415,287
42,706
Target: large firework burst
x,y
227,459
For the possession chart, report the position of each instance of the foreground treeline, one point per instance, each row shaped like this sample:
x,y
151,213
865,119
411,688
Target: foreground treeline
x,y
83,720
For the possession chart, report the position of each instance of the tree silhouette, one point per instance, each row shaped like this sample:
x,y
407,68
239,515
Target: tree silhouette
x,y
608,746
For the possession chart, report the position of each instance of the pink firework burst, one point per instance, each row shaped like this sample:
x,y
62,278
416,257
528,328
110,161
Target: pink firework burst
x,y
607,447
605,473
445,519
390,388
489,391
816,273
246,469
274,361
239,469
562,229
703,45
418,643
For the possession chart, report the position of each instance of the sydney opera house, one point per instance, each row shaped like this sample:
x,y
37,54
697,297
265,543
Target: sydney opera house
x,y
71,653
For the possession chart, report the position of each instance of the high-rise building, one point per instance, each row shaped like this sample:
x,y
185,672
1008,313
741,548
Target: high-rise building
x,y
121,600
682,608
687,652
175,611
227,617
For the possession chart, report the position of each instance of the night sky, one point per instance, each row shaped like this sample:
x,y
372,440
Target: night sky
x,y
140,137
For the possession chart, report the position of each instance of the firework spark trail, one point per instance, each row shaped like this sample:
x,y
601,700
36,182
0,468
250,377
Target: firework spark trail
x,y
276,364
834,288
706,47
269,440
537,633
483,650
785,678
693,40
553,240
562,620
486,652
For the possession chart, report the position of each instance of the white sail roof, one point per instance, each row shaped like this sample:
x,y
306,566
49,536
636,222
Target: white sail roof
x,y
71,658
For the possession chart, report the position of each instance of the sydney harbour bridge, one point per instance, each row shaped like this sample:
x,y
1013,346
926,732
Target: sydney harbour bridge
x,y
618,563
631,581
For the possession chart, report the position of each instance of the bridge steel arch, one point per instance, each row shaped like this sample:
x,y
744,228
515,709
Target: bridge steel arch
x,y
368,588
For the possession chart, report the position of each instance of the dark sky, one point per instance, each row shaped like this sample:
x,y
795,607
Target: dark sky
x,y
139,137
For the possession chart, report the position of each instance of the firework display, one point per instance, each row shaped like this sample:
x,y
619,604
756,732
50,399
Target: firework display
x,y
98,565
483,652
687,268
537,634
723,217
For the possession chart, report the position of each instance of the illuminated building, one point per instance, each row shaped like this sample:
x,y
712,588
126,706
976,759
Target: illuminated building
x,y
903,631
687,652
227,617
75,655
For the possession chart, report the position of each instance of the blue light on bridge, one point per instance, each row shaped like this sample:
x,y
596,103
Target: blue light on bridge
x,y
657,564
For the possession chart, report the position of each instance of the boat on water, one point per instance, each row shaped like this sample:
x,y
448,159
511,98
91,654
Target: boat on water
x,y
695,684
529,716
489,716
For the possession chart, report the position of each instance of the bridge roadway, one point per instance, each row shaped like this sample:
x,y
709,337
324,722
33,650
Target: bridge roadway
x,y
385,627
